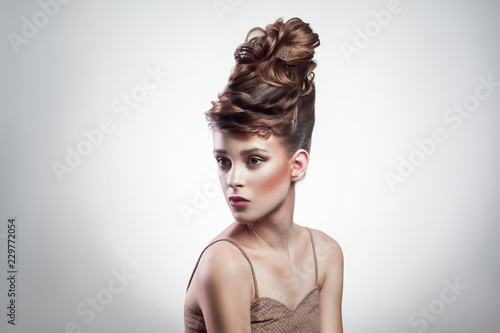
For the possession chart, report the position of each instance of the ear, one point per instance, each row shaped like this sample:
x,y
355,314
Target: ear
x,y
299,162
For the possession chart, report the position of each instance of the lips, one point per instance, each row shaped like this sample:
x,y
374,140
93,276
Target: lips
x,y
236,201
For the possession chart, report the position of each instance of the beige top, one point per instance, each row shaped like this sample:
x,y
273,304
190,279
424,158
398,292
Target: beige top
x,y
268,314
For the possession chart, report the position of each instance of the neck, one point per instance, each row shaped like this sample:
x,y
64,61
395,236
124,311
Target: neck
x,y
275,230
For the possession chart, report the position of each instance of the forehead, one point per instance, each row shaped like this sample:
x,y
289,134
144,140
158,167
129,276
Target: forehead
x,y
232,142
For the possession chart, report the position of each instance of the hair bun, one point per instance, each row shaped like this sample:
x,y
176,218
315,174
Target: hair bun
x,y
281,55
271,88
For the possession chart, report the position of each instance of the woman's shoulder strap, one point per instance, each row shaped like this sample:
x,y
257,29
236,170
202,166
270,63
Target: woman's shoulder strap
x,y
242,252
315,258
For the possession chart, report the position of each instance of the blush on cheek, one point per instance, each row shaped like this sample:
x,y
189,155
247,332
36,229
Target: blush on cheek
x,y
275,180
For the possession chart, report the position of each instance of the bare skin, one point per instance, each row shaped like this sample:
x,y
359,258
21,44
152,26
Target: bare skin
x,y
280,250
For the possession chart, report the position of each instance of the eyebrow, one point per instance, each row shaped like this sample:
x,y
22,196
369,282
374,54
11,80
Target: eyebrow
x,y
244,152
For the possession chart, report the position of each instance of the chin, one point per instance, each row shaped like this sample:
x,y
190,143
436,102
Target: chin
x,y
242,219
246,217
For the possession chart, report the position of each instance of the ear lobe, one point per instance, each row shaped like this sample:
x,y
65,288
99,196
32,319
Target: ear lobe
x,y
299,160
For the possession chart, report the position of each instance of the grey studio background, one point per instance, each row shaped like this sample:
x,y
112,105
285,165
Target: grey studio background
x,y
106,161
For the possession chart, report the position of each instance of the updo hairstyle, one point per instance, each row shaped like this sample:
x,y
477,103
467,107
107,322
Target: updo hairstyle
x,y
271,88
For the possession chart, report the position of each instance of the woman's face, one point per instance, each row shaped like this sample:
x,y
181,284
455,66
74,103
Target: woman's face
x,y
254,173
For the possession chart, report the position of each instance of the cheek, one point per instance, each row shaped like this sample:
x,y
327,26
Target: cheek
x,y
222,180
274,180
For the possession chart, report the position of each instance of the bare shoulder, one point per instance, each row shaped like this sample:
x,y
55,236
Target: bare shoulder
x,y
223,262
223,288
330,257
222,268
331,272
326,244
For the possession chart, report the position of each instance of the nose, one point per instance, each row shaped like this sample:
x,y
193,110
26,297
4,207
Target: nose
x,y
236,177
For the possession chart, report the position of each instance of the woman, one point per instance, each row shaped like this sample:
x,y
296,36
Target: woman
x,y
265,273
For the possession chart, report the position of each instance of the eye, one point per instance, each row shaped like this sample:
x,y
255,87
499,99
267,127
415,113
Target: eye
x,y
223,162
255,160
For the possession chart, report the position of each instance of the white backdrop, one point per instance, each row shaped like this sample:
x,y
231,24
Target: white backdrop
x,y
108,172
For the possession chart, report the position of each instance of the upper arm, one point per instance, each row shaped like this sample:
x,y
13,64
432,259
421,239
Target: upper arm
x,y
225,295
332,285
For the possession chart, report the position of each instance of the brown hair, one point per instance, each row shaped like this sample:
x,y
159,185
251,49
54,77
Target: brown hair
x,y
271,88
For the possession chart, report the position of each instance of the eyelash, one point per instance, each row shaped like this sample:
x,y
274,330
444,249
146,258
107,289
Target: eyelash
x,y
260,160
220,160
223,159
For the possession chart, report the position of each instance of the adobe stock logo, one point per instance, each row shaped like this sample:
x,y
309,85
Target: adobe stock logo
x,y
30,28
224,6
95,136
372,29
454,116
200,199
92,306
426,314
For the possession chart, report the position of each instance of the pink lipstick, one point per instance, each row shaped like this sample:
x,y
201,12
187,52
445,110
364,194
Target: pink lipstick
x,y
236,201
